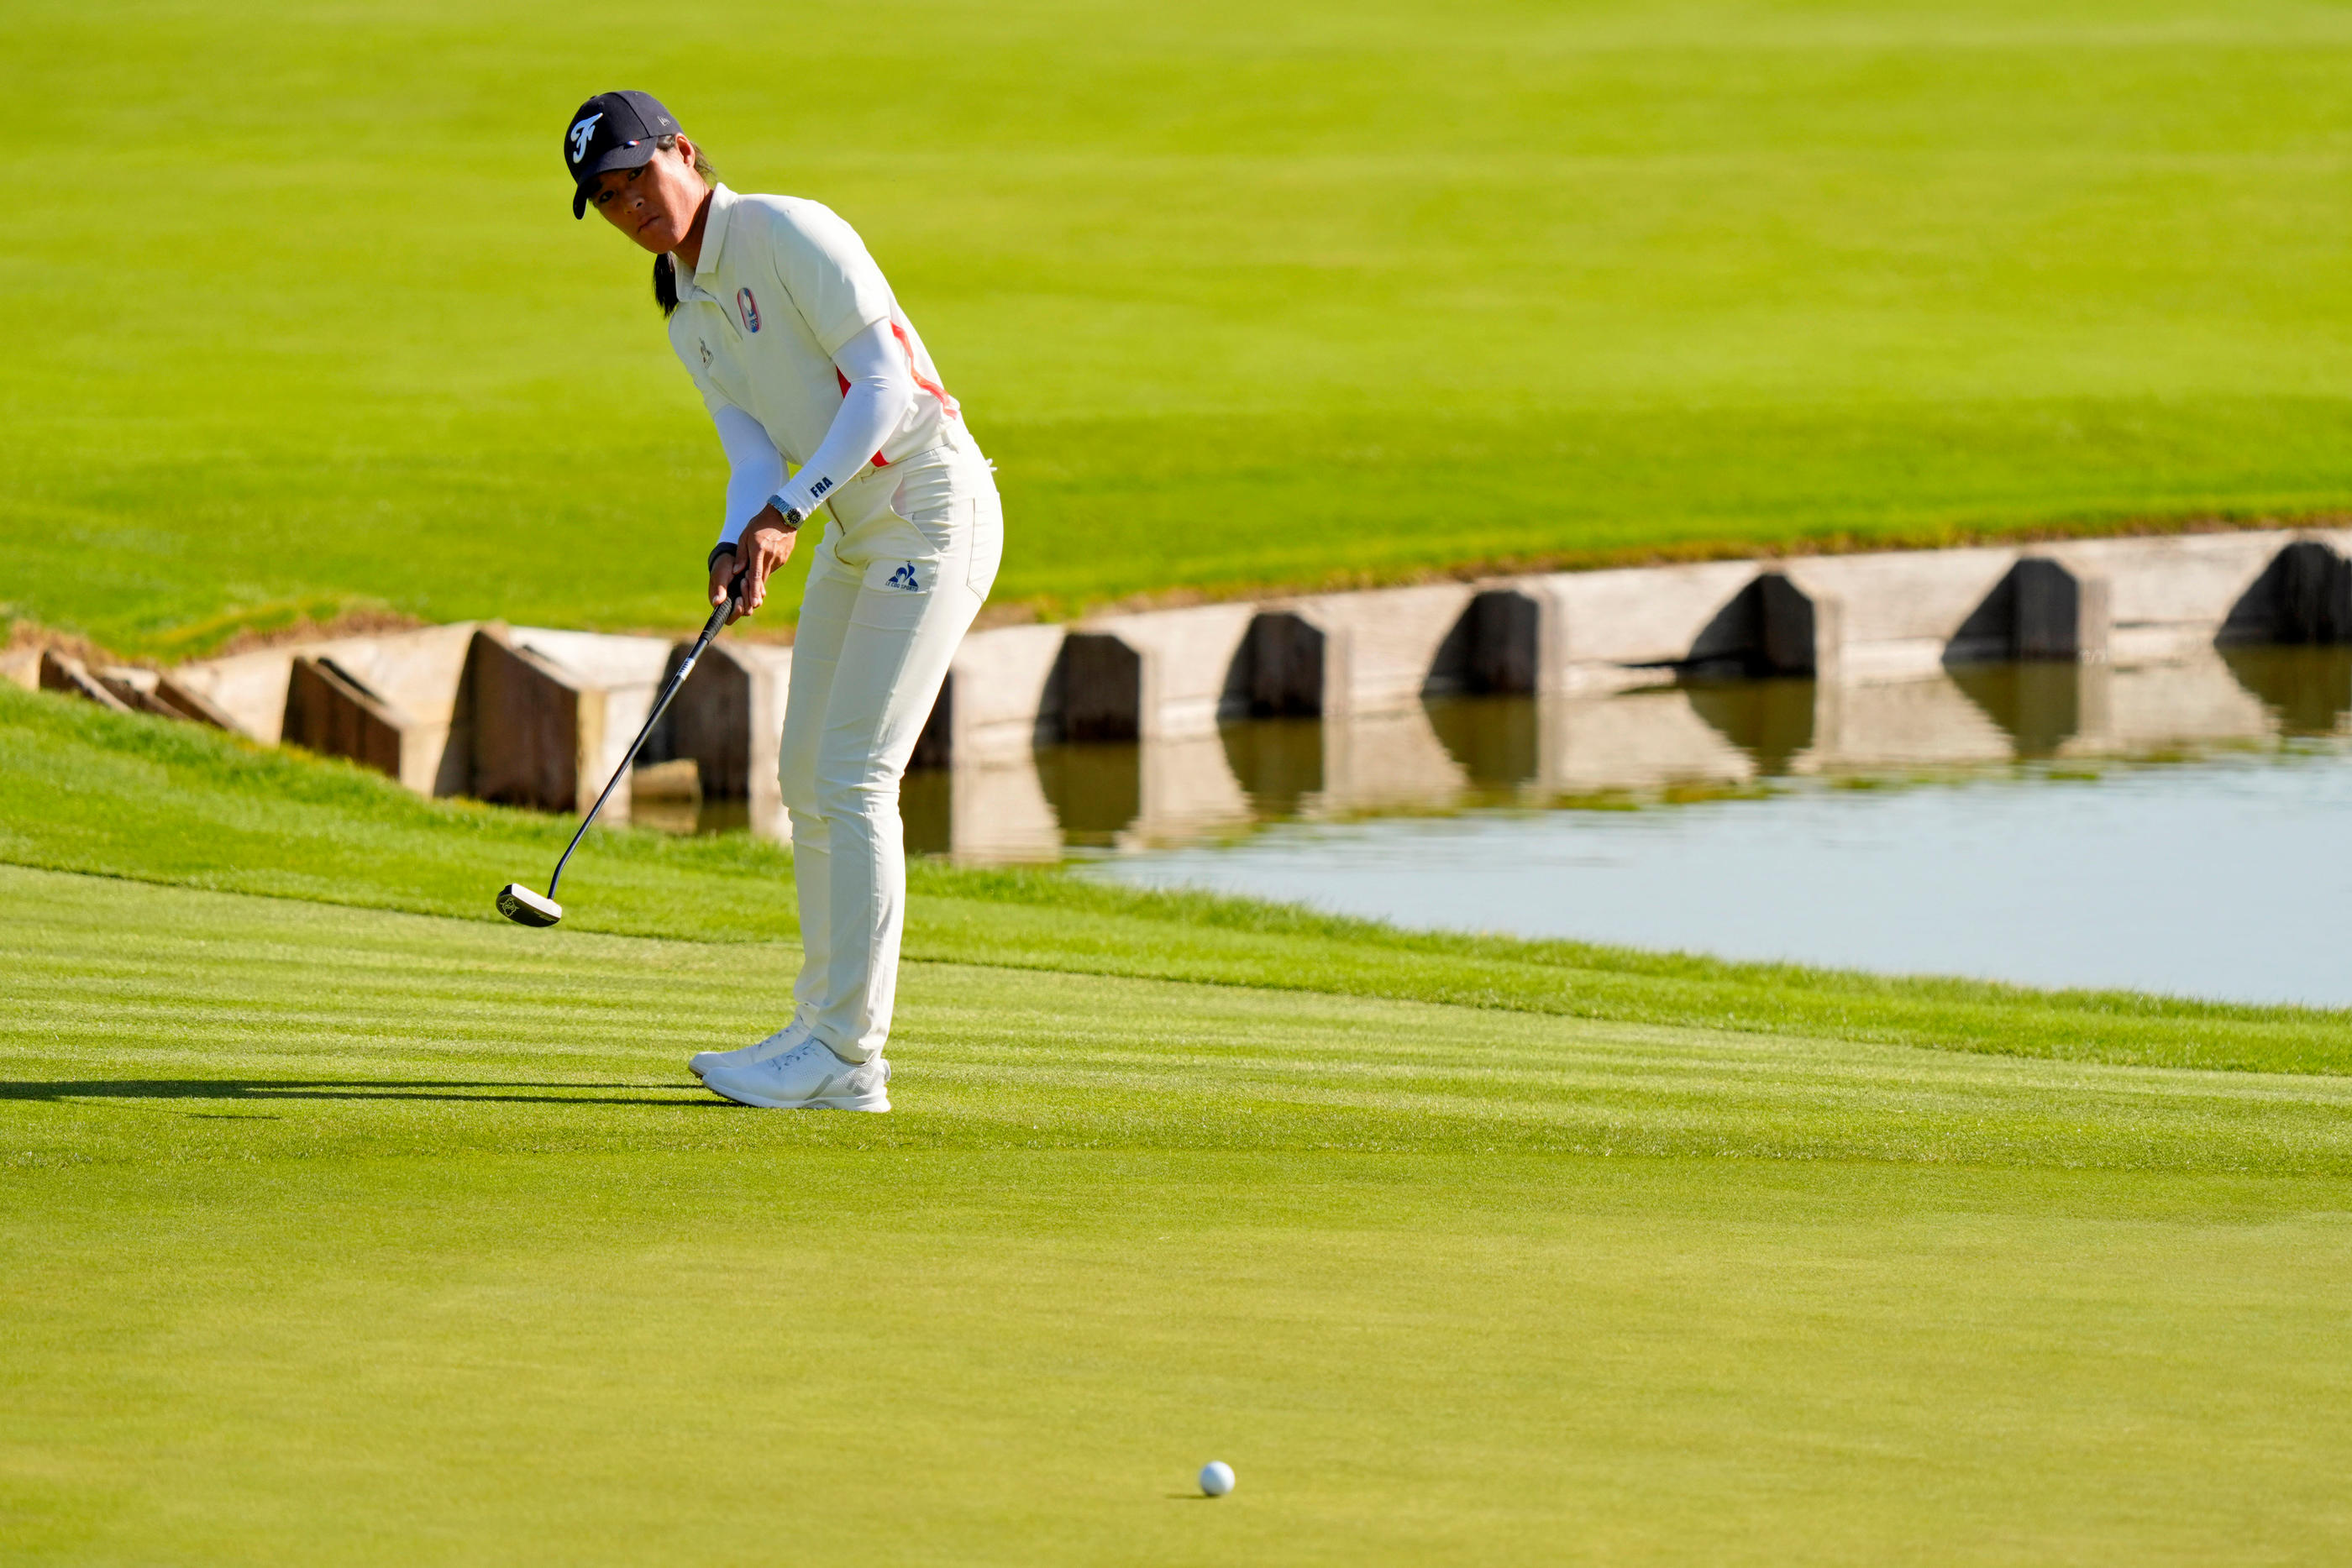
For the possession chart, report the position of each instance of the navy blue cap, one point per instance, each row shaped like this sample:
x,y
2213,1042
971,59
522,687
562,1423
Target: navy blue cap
x,y
610,131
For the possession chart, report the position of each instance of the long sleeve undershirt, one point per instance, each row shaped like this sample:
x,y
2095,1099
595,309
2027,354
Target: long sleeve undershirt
x,y
754,469
881,390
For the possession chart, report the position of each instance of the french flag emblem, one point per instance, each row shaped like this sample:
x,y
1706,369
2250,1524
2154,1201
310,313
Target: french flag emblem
x,y
749,309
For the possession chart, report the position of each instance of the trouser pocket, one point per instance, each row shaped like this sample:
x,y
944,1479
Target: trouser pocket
x,y
947,514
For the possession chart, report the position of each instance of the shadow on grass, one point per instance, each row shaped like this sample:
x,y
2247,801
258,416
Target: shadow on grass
x,y
270,1089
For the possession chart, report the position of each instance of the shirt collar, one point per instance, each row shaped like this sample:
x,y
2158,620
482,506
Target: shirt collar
x,y
714,239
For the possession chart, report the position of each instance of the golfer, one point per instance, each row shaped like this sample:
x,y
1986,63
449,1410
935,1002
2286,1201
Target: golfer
x,y
810,368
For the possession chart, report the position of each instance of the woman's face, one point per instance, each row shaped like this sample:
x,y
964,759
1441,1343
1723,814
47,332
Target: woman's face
x,y
654,203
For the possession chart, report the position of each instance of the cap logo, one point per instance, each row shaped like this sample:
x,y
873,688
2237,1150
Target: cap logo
x,y
582,132
750,308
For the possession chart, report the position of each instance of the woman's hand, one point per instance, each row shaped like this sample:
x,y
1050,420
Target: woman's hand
x,y
765,545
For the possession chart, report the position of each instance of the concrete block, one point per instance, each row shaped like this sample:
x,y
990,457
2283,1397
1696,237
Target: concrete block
x,y
330,712
1184,671
1610,631
135,689
2171,596
416,672
603,659
729,719
1773,626
1497,646
2037,608
2059,614
1284,668
250,688
627,669
1904,614
1102,688
524,731
64,673
2304,596
1002,697
132,689
1799,631
185,702
1378,651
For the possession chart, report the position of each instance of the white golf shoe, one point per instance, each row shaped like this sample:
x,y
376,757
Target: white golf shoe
x,y
808,1077
791,1037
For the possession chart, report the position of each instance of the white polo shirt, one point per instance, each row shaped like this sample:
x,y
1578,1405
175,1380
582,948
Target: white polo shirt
x,y
781,284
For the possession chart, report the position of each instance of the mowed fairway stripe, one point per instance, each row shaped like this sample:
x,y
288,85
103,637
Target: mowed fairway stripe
x,y
329,1235
356,1015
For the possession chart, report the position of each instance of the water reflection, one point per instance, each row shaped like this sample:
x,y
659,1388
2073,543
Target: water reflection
x,y
2157,828
1676,742
2307,690
1698,740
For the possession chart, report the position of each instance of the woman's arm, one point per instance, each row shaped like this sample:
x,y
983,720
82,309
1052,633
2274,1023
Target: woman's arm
x,y
881,390
754,468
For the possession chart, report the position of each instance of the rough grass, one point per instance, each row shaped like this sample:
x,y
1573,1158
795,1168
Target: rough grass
x,y
1234,295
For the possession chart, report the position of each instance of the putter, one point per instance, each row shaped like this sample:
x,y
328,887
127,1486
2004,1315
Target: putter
x,y
524,907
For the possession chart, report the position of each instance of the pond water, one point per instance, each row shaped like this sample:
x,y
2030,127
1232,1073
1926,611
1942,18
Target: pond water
x,y
2184,828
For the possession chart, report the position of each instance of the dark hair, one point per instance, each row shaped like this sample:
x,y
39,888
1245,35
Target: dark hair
x,y
664,269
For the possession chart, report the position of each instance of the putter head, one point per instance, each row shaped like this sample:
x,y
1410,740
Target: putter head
x,y
524,907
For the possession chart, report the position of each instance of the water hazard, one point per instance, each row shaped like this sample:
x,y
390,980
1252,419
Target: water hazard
x,y
2184,827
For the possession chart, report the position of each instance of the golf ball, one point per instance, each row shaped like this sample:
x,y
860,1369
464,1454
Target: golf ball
x,y
1216,1477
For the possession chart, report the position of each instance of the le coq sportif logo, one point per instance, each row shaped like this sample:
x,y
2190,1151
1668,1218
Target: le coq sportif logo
x,y
582,132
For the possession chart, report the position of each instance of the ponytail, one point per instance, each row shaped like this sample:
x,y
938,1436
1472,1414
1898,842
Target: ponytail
x,y
664,269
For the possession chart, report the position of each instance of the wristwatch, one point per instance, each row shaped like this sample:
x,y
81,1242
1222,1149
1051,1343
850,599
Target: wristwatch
x,y
794,519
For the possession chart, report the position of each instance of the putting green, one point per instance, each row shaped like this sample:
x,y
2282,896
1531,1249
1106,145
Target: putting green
x,y
1234,294
385,1230
342,1235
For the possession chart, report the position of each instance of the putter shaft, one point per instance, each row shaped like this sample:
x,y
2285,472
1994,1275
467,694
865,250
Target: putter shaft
x,y
669,690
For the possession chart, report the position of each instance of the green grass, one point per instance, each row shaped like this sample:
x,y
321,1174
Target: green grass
x,y
333,1232
342,1222
297,319
82,789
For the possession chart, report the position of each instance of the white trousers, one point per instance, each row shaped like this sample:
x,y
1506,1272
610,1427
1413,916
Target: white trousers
x,y
898,578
